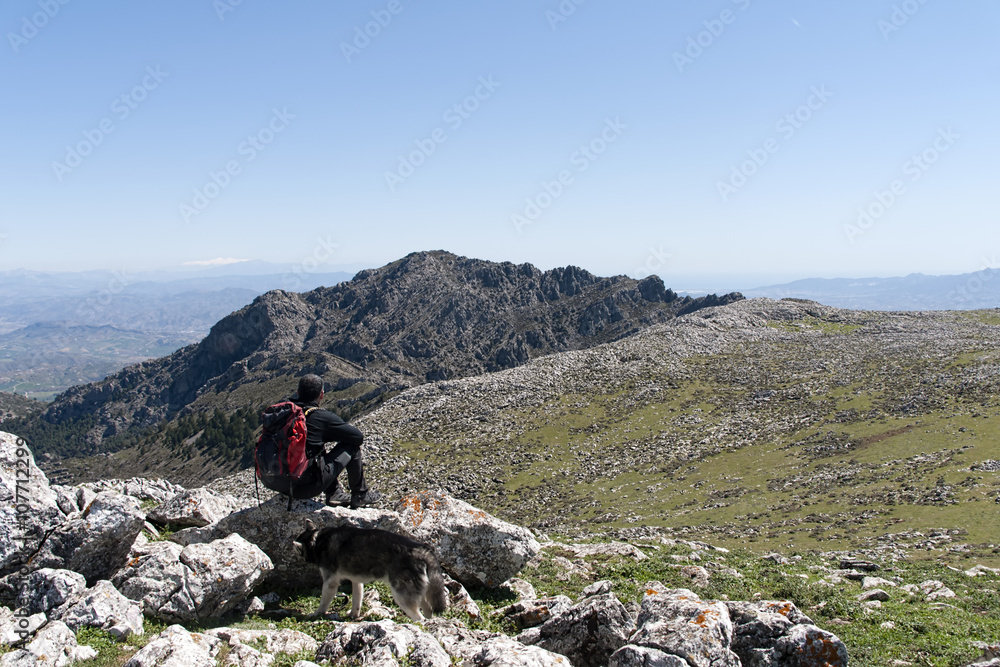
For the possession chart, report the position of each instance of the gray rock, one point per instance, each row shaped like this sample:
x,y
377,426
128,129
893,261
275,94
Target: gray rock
x,y
20,629
874,594
54,646
474,547
480,648
273,529
532,613
587,633
680,623
641,656
45,589
104,607
809,645
24,487
521,588
382,643
275,641
195,582
140,488
194,507
176,647
97,543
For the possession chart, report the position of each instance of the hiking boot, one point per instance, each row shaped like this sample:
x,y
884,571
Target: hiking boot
x,y
365,499
338,498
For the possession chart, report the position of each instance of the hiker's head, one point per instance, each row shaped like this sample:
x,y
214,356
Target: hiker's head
x,y
310,388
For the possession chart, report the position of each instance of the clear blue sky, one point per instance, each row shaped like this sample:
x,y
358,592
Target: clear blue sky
x,y
819,107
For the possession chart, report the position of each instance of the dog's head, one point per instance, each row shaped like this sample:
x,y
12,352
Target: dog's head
x,y
305,543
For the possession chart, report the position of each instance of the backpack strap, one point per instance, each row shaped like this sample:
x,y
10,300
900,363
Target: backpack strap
x,y
291,484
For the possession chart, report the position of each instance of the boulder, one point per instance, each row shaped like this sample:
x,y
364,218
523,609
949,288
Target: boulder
x,y
199,581
474,547
642,656
679,623
176,647
97,543
140,488
532,613
587,633
45,589
104,607
274,641
29,509
272,528
809,645
382,643
194,507
54,646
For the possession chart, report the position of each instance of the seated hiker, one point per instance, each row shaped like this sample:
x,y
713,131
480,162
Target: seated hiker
x,y
323,426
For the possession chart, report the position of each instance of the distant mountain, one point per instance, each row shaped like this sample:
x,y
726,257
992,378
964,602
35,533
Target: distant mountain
x,y
159,303
916,291
44,359
428,316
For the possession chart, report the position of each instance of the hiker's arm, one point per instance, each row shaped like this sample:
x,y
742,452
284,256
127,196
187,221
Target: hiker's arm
x,y
337,430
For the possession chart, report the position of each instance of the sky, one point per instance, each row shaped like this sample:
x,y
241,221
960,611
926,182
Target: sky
x,y
762,140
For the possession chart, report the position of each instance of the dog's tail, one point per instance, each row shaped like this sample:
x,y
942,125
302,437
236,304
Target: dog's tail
x,y
436,595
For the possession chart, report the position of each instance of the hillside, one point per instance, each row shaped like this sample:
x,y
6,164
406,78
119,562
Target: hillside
x,y
45,358
966,291
428,316
13,406
761,422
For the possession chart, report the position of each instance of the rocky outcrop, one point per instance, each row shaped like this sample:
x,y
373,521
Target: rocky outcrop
x,y
199,581
473,546
193,508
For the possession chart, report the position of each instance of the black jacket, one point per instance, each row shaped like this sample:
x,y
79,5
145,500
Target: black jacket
x,y
323,426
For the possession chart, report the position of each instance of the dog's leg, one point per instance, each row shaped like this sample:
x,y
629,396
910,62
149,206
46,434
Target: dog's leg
x,y
329,591
357,593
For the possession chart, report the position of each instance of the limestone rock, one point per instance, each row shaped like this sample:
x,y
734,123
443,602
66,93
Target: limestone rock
x,y
480,648
97,543
382,643
45,589
195,582
474,547
680,623
176,647
24,487
54,646
104,607
532,613
194,507
641,656
587,633
809,645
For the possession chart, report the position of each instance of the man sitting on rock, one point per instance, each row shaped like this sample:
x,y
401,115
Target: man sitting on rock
x,y
323,426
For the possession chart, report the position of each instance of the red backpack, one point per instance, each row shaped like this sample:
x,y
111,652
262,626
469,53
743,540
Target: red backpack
x,y
280,454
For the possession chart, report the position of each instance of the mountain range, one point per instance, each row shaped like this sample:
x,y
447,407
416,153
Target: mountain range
x,y
429,316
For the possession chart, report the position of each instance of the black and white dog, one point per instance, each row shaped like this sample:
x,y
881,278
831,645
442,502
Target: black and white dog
x,y
364,555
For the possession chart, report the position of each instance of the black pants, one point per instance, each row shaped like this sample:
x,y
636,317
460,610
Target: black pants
x,y
323,476
355,469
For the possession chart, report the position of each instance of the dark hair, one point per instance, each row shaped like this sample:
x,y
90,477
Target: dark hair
x,y
310,387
